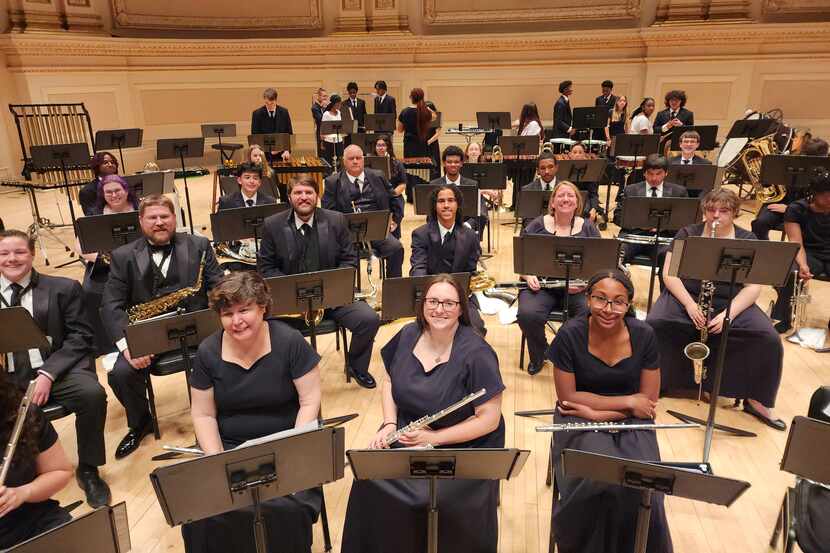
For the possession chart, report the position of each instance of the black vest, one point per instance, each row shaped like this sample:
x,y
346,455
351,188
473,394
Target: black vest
x,y
365,201
447,253
308,251
160,284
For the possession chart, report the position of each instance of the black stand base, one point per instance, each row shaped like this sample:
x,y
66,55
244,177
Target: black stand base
x,y
734,431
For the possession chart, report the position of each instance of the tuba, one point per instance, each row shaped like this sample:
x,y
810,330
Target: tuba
x,y
750,160
798,307
698,352
496,155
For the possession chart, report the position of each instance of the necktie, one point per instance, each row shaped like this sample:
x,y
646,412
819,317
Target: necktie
x,y
22,362
653,191
305,229
687,161
359,184
271,114
673,115
249,202
446,238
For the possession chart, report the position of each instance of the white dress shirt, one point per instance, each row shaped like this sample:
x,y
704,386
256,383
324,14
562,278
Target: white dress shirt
x,y
332,138
547,185
246,198
659,190
640,123
299,222
443,231
35,358
362,177
532,129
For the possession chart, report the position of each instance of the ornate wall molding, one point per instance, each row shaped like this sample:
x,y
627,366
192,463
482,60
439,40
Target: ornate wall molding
x,y
802,8
564,10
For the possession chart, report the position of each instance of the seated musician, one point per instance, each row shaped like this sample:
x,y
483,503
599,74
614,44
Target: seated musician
x,y
157,264
473,153
40,469
754,356
397,174
546,167
272,119
249,178
689,143
254,377
807,223
306,239
591,207
536,302
771,216
675,114
256,155
453,160
65,372
431,364
606,368
102,164
445,245
655,186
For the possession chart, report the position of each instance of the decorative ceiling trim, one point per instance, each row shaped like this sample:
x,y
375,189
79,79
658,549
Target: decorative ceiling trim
x,y
612,10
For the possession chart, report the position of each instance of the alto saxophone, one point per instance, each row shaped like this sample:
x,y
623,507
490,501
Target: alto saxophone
x,y
163,304
425,421
698,351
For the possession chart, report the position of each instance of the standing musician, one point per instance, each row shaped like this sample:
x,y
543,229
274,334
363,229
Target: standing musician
x,y
256,156
605,369
384,103
414,122
270,119
254,377
356,106
453,160
529,122
433,135
357,188
397,174
431,364
38,471
562,113
641,117
307,239
536,303
675,114
591,207
445,245
249,178
806,223
321,100
102,165
154,265
65,372
689,143
605,100
333,143
754,356
617,119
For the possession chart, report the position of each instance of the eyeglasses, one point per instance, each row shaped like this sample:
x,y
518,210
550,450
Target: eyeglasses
x,y
113,192
448,305
617,305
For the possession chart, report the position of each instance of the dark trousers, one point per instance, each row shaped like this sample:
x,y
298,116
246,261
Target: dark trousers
x,y
362,321
534,308
766,221
130,387
475,316
782,310
79,392
391,250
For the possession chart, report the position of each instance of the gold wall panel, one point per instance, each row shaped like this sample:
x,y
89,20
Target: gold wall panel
x,y
709,100
799,97
456,12
101,106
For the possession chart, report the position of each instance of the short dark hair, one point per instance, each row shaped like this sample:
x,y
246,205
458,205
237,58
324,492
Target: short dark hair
x,y
563,86
304,180
655,161
614,274
269,93
815,147
249,167
547,155
607,84
381,85
464,316
676,95
240,287
433,202
452,150
819,181
15,233
352,86
98,159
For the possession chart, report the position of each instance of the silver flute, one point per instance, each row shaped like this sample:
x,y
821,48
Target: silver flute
x,y
22,411
394,436
610,426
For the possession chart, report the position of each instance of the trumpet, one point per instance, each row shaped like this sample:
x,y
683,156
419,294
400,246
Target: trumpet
x,y
798,307
698,352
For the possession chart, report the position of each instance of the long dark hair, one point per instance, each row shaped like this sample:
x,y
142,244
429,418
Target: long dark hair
x,y
10,396
98,159
433,202
388,141
640,108
463,318
424,115
529,113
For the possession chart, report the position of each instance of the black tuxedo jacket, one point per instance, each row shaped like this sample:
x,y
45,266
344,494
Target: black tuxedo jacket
x,y
465,181
670,190
685,116
600,101
536,184
279,246
387,106
562,118
426,250
358,112
262,123
230,201
696,160
129,269
337,198
58,310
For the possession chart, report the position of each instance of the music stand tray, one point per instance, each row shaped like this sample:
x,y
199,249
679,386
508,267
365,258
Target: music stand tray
x,y
708,136
104,233
27,335
492,120
489,176
271,142
169,332
519,145
436,465
154,182
219,130
469,195
662,213
592,117
380,122
238,223
366,143
751,128
368,226
807,450
401,297
695,177
794,172
638,145
120,139
341,128
65,157
104,530
581,170
533,203
378,163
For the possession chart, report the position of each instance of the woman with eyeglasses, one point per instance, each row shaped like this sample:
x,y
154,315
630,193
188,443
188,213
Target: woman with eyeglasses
x,y
605,369
754,354
432,364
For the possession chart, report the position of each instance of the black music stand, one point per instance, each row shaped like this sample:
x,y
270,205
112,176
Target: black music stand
x,y
708,136
64,156
380,122
489,176
435,465
237,223
271,142
307,292
340,129
563,257
590,118
218,130
27,335
698,178
119,138
180,148
751,128
533,203
661,214
366,227
519,145
733,261
493,120
154,182
104,233
469,195
632,145
365,141
649,478
581,170
274,466
104,530
401,297
378,163
794,172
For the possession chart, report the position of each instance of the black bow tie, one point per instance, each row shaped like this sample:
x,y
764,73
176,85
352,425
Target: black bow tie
x,y
164,249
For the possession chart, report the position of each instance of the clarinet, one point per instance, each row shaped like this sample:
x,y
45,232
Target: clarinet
x,y
22,411
610,426
393,437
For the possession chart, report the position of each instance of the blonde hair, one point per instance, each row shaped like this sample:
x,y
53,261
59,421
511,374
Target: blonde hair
x,y
266,167
572,186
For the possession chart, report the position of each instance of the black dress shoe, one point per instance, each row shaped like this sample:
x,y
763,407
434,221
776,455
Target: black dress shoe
x,y
533,369
132,440
777,424
96,490
365,380
782,327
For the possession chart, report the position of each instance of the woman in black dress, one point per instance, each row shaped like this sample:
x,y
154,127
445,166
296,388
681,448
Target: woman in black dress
x,y
536,303
432,364
253,378
754,355
605,368
397,173
38,471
